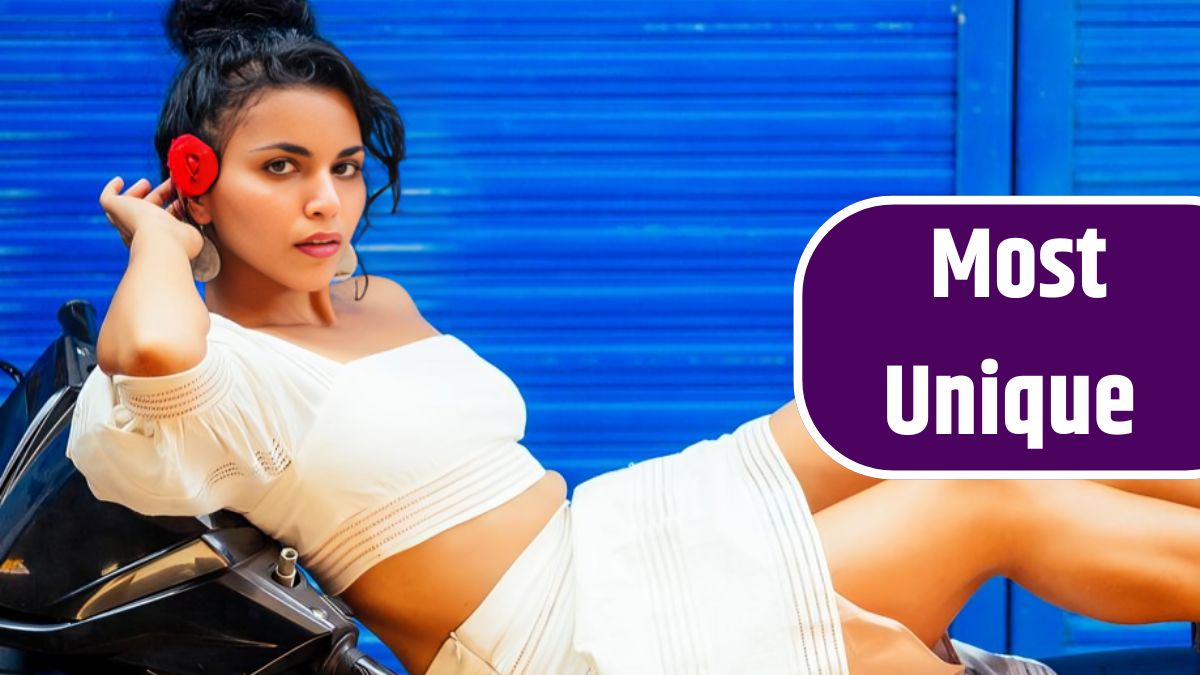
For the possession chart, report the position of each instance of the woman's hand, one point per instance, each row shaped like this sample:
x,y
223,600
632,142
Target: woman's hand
x,y
140,207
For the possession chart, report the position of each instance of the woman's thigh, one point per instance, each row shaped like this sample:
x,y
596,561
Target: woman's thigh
x,y
825,482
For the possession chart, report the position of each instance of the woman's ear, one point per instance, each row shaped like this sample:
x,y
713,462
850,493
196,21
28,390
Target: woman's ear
x,y
198,208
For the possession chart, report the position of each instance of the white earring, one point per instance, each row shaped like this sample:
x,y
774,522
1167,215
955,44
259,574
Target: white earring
x,y
207,263
346,265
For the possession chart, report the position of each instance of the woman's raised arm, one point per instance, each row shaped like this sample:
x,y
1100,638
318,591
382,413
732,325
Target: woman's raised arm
x,y
157,323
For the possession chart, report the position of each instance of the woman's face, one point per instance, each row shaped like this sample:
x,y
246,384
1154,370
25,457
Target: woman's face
x,y
291,169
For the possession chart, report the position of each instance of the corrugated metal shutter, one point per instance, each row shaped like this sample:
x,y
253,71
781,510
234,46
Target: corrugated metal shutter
x,y
608,200
1107,104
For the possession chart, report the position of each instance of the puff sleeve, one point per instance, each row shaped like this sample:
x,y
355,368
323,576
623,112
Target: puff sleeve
x,y
215,436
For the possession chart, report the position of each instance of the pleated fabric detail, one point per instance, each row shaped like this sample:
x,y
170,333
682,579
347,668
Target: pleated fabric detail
x,y
469,489
704,561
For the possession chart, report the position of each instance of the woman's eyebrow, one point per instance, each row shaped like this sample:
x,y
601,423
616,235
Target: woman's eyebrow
x,y
303,151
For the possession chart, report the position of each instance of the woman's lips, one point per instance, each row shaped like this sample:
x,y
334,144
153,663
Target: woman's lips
x,y
319,250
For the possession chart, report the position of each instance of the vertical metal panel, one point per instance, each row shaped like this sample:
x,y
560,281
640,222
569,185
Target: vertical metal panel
x,y
1107,103
1045,92
1137,101
1111,107
986,30
606,199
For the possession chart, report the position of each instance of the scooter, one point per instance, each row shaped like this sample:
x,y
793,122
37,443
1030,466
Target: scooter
x,y
93,587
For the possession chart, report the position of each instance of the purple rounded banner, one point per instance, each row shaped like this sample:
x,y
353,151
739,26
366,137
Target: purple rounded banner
x,y
941,337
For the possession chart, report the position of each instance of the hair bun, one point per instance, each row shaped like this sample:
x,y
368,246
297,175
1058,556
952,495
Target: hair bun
x,y
192,24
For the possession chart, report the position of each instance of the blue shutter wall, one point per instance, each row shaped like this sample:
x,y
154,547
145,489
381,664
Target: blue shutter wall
x,y
1107,104
608,200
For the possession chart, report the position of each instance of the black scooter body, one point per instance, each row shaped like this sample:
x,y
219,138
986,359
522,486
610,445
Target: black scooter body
x,y
91,586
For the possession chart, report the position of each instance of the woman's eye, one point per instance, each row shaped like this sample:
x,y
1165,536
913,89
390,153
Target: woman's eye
x,y
348,169
278,162
356,168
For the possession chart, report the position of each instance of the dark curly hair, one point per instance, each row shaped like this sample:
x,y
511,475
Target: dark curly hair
x,y
235,50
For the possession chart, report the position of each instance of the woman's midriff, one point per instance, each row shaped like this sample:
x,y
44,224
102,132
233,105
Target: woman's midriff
x,y
413,599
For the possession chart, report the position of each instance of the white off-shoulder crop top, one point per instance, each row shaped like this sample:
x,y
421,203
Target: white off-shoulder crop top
x,y
346,462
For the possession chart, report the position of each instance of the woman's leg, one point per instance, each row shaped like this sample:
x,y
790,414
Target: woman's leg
x,y
1185,491
915,551
825,482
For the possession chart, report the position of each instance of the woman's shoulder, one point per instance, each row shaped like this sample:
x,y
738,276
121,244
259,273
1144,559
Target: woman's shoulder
x,y
386,286
382,294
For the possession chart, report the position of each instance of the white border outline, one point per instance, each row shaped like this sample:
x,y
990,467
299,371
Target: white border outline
x,y
962,200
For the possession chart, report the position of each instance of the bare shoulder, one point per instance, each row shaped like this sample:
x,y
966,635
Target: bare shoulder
x,y
387,288
383,295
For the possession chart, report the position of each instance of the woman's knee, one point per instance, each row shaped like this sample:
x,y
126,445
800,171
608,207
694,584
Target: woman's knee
x,y
994,513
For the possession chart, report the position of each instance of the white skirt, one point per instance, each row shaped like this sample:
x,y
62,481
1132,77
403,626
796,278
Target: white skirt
x,y
703,561
525,623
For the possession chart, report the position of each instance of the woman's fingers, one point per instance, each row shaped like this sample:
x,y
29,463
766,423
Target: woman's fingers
x,y
112,190
123,214
138,189
108,197
164,196
160,194
111,203
112,187
173,204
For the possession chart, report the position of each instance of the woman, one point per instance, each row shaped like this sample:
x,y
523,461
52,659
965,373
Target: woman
x,y
343,424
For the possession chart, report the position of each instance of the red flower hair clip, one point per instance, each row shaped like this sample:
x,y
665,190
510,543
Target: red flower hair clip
x,y
193,165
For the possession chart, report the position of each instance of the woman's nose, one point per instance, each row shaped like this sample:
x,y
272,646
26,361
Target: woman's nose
x,y
323,201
